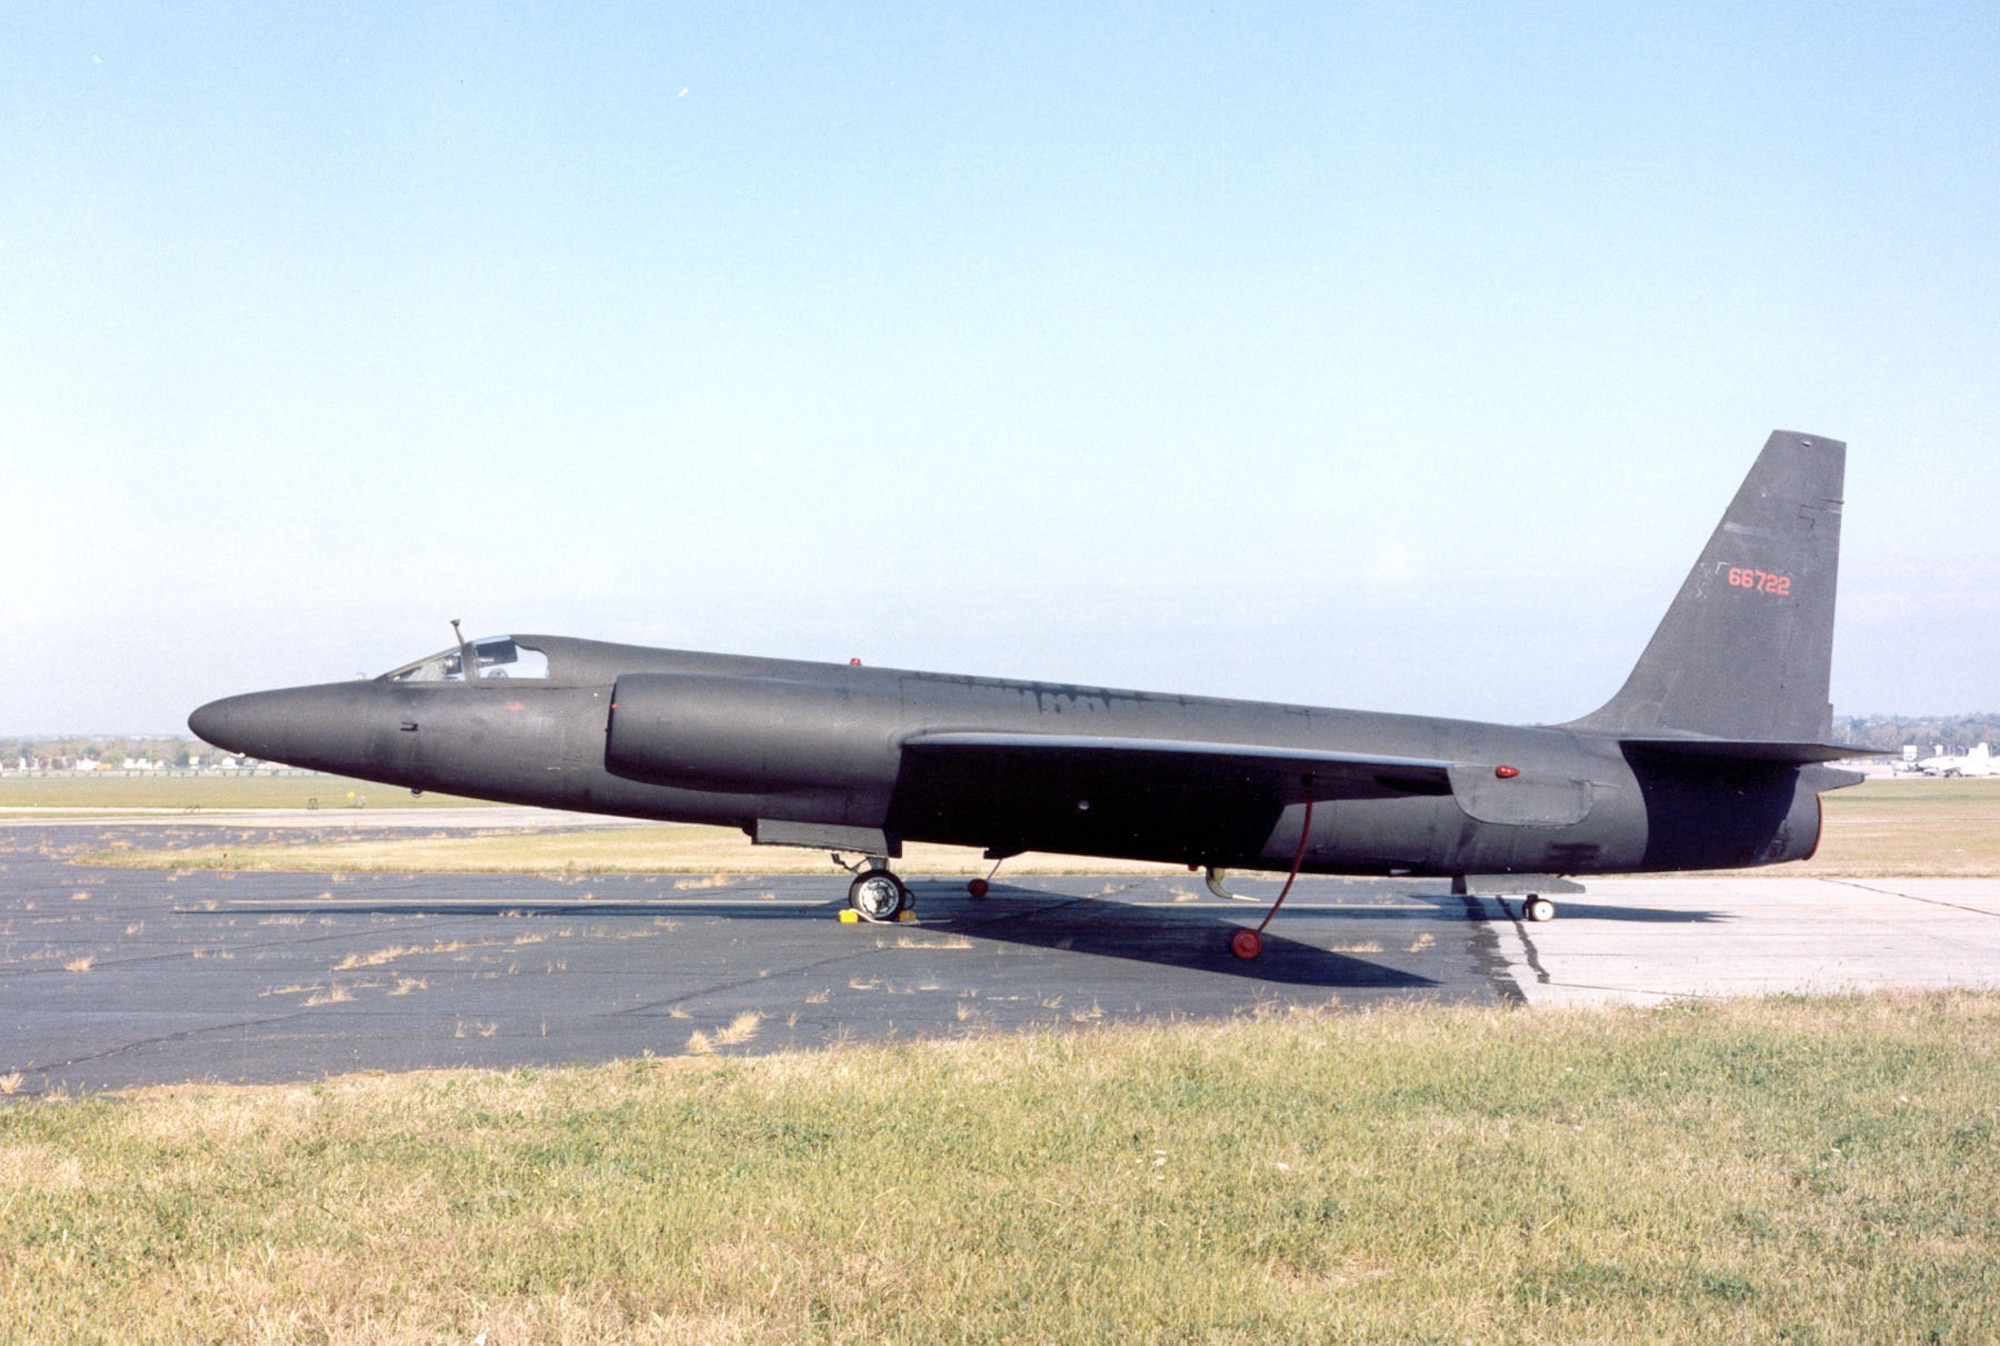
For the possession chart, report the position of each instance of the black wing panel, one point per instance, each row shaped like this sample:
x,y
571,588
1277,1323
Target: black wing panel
x,y
1198,802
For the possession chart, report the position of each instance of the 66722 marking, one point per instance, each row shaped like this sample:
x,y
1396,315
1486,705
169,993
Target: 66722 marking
x,y
1763,581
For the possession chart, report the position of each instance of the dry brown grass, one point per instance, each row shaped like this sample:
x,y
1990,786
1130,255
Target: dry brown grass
x,y
933,942
1909,828
741,1029
89,791
717,856
379,957
34,1167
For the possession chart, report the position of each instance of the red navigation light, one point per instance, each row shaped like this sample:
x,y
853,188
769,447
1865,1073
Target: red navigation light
x,y
854,663
1506,772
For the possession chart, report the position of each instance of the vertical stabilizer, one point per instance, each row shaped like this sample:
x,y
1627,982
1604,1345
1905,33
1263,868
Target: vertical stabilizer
x,y
1744,651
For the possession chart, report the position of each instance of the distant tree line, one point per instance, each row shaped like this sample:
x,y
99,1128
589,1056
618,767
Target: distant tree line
x,y
115,752
1891,733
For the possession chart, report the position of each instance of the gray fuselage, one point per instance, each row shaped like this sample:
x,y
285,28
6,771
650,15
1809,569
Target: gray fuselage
x,y
810,750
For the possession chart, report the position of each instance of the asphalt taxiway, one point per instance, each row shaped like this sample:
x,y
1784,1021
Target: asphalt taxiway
x,y
119,977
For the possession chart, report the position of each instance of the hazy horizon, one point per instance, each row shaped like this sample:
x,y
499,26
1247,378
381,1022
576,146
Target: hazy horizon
x,y
1401,361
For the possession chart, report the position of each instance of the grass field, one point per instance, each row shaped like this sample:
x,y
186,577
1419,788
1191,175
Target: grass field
x,y
160,792
1911,827
1791,1170
1902,828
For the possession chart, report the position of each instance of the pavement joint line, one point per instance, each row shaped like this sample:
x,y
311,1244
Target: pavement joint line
x,y
1912,897
184,1035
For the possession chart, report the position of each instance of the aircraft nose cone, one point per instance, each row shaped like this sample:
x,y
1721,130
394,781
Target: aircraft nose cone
x,y
282,726
333,727
210,723
237,723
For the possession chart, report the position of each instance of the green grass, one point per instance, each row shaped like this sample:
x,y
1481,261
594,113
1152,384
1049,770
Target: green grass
x,y
159,791
1790,1170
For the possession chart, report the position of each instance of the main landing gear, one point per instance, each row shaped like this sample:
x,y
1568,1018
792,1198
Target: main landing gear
x,y
877,895
1536,908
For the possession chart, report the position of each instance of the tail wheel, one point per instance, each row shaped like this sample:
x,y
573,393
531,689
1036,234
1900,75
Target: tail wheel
x,y
978,888
877,895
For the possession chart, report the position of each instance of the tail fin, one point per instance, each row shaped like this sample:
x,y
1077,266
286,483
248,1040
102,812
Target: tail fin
x,y
1744,652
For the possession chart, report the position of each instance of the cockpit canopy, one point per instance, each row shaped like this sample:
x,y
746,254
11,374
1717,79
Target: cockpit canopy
x,y
493,657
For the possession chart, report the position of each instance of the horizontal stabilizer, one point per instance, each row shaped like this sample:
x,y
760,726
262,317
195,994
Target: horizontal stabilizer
x,y
1748,750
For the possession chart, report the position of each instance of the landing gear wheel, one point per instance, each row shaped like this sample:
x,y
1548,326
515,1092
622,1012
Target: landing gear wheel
x,y
877,895
979,887
1538,909
1246,944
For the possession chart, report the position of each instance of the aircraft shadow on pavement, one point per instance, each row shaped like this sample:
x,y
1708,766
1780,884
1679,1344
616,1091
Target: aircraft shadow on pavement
x,y
1570,910
1585,911
1493,909
1263,890
1177,937
1187,938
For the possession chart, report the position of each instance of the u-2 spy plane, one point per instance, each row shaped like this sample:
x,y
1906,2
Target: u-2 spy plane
x,y
1712,754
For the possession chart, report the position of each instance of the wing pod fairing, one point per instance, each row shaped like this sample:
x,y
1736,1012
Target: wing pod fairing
x,y
754,734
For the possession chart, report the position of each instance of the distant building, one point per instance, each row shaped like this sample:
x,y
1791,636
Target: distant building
x,y
1978,762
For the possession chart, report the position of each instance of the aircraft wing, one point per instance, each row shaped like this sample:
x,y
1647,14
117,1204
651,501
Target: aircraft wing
x,y
1282,775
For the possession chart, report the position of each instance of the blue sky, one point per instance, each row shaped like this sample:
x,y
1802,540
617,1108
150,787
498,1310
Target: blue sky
x,y
1401,358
